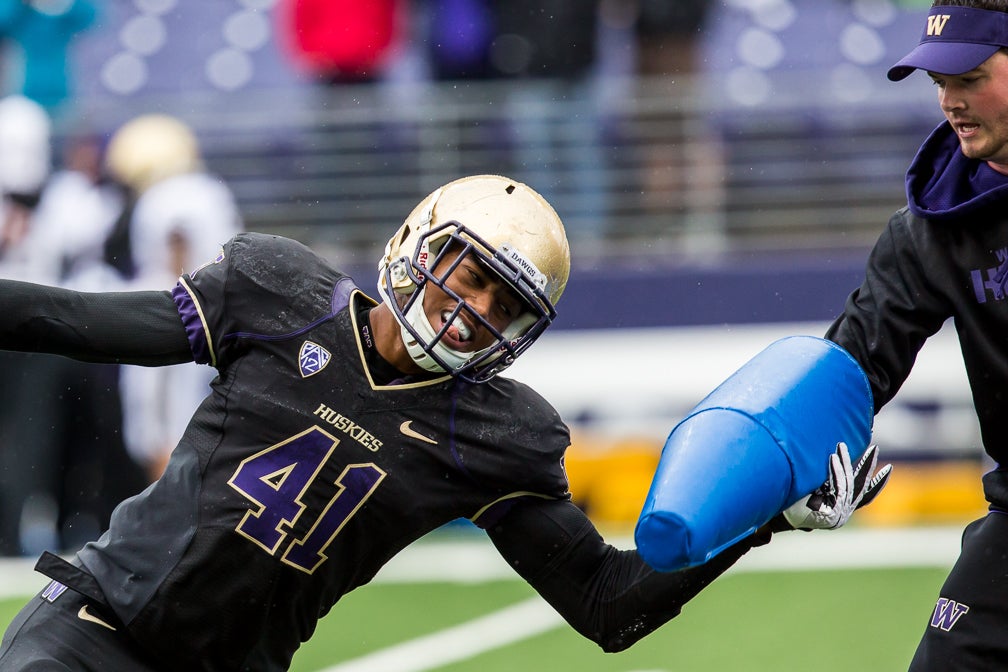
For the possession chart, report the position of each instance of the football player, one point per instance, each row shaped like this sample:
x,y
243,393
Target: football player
x,y
338,431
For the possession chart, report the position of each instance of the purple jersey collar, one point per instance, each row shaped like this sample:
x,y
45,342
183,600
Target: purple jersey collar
x,y
955,40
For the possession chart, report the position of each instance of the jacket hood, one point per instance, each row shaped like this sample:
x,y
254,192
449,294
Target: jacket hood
x,y
943,184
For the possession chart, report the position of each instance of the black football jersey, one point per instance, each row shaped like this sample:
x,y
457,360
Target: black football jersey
x,y
303,471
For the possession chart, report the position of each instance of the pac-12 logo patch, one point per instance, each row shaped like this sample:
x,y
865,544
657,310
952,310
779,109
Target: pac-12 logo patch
x,y
312,358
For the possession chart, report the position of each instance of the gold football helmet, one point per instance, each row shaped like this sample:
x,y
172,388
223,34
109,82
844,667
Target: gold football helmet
x,y
150,148
511,230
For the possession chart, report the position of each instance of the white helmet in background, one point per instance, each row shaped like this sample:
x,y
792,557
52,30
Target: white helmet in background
x,y
150,148
25,150
511,230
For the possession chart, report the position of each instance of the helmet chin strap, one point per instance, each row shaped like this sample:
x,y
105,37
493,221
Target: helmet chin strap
x,y
418,318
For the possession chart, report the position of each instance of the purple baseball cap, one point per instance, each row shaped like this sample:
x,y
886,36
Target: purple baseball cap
x,y
955,40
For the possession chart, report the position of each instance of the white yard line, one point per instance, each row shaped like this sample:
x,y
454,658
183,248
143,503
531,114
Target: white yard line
x,y
854,548
475,560
500,628
18,578
469,561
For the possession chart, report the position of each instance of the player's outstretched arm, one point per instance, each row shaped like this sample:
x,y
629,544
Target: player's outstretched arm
x,y
112,327
610,596
849,487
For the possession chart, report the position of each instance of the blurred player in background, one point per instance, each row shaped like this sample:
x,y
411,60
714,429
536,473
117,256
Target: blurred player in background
x,y
25,164
60,420
28,490
177,216
338,431
945,256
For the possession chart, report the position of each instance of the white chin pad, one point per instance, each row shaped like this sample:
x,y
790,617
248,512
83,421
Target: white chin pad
x,y
451,357
418,318
519,326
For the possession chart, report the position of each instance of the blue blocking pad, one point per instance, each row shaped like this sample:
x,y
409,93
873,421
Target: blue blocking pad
x,y
759,442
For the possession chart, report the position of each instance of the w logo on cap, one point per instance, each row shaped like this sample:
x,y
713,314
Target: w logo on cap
x,y
936,24
312,358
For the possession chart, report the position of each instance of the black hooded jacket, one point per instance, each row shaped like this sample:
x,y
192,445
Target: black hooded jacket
x,y
944,255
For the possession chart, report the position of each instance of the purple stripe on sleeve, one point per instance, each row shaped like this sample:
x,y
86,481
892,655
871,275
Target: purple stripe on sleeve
x,y
341,294
195,331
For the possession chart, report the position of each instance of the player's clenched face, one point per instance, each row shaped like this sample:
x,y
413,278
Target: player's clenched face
x,y
976,105
483,291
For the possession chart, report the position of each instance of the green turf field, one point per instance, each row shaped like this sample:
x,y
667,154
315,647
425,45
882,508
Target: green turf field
x,y
753,622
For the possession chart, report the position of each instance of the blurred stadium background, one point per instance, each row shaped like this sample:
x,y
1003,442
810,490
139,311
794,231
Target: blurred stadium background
x,y
710,211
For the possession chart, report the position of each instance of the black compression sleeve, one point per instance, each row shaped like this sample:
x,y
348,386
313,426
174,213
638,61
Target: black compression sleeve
x,y
608,595
110,327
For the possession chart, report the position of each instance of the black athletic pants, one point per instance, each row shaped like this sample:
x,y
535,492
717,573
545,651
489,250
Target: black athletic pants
x,y
63,631
968,629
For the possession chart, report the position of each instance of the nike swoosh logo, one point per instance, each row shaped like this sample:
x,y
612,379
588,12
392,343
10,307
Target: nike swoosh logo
x,y
413,434
86,615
